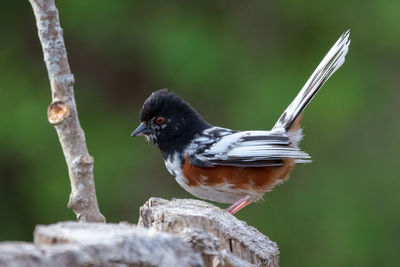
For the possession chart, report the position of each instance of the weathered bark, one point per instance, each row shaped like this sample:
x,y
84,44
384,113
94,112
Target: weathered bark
x,y
179,233
62,113
210,228
94,244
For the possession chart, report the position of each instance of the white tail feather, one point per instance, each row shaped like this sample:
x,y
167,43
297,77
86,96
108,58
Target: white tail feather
x,y
331,62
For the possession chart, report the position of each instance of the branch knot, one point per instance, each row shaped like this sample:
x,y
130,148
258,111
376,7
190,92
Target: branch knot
x,y
57,112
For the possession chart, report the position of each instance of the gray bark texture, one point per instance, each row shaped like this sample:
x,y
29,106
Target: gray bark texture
x,y
180,232
209,228
63,114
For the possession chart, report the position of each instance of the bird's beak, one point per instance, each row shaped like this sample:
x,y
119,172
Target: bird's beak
x,y
142,129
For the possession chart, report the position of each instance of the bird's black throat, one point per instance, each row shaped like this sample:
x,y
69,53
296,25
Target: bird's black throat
x,y
170,145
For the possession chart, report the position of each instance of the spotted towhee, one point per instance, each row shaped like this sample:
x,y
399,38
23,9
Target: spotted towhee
x,y
226,165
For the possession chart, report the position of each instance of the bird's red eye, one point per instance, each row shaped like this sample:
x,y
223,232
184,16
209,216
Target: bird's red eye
x,y
160,120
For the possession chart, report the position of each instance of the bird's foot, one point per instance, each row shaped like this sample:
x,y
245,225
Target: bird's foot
x,y
238,205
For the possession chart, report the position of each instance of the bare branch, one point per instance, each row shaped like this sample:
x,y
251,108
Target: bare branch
x,y
62,113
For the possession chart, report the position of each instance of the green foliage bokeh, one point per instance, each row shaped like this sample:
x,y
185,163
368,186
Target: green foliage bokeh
x,y
239,63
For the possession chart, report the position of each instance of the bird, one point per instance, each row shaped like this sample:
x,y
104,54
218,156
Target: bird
x,y
232,166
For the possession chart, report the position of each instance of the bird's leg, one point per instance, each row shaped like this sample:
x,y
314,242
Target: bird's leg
x,y
238,205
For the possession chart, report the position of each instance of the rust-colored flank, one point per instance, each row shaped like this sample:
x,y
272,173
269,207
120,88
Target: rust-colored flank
x,y
256,178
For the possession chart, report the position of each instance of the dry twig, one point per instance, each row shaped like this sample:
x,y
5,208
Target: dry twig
x,y
62,113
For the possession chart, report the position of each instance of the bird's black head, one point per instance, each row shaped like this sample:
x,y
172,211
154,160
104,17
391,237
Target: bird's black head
x,y
169,122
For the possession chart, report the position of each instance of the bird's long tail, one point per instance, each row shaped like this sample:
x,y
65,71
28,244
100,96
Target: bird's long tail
x,y
331,62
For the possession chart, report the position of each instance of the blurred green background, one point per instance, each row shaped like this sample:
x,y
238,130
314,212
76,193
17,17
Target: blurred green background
x,y
239,63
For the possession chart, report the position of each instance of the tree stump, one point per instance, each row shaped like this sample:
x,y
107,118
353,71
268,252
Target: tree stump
x,y
209,228
180,232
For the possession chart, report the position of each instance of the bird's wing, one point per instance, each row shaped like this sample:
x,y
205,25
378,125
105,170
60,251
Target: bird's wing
x,y
224,147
